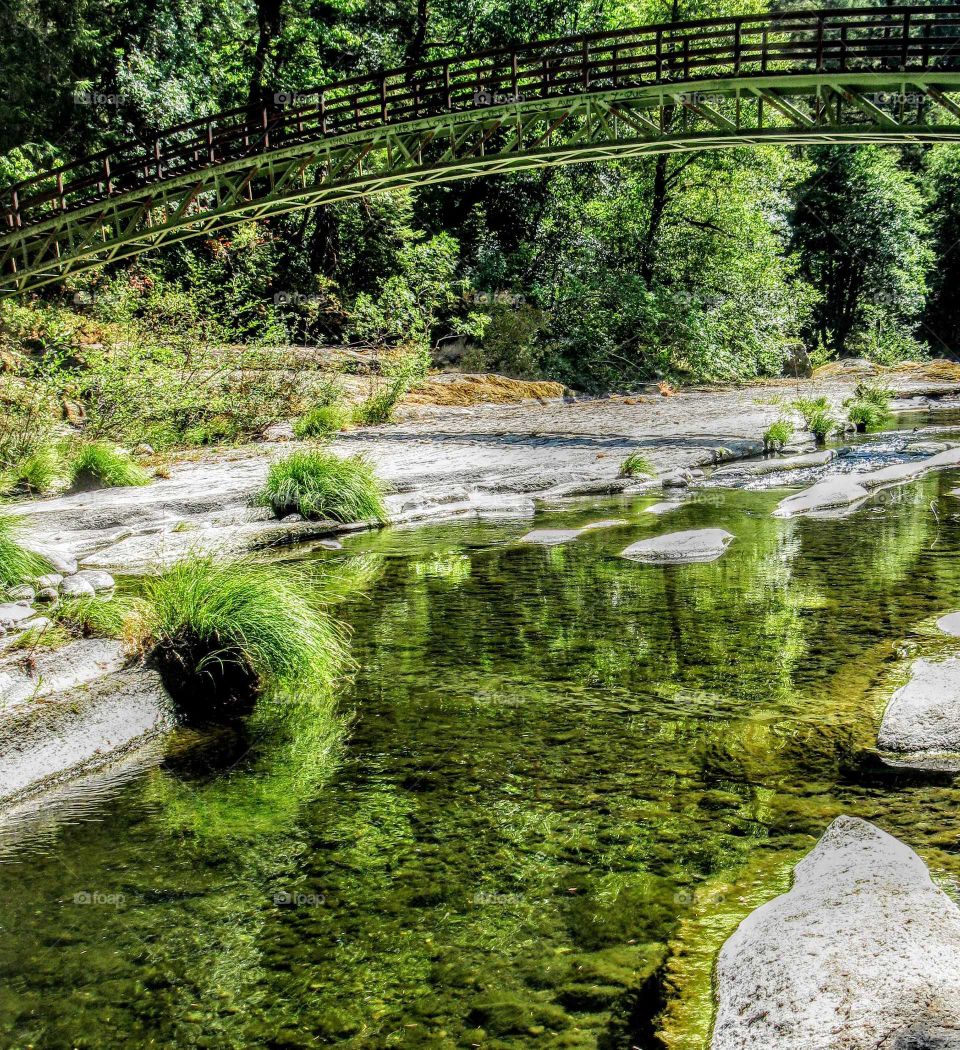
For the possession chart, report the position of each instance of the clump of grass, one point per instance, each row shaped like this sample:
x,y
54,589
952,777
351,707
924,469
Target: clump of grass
x,y
223,633
636,464
100,465
318,484
376,409
91,617
37,472
17,564
322,420
867,415
876,393
821,424
810,408
777,435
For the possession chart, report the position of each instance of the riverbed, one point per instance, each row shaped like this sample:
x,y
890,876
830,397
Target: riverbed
x,y
567,777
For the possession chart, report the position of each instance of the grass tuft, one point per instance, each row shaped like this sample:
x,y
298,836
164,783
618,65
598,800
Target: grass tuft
x,y
17,564
777,435
100,465
318,484
223,633
37,472
636,464
322,420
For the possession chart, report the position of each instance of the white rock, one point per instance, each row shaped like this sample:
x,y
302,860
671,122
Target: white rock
x,y
11,613
22,593
663,508
923,717
51,579
76,587
950,624
927,448
47,594
548,537
825,495
59,560
98,579
776,465
863,953
52,672
694,545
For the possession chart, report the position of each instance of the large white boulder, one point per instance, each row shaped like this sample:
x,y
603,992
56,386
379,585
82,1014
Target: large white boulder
x,y
863,953
923,717
677,548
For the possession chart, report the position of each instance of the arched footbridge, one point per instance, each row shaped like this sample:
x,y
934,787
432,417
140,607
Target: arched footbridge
x,y
883,75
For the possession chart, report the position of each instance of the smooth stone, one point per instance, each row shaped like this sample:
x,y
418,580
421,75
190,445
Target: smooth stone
x,y
76,587
775,466
47,594
59,561
923,716
825,495
862,953
22,593
694,545
663,508
12,612
288,519
143,449
950,624
549,537
51,579
98,579
73,665
928,448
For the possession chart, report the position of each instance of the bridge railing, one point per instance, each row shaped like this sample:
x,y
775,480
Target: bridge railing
x,y
877,39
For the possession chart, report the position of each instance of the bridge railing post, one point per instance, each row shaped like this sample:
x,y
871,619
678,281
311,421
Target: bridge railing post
x,y
819,45
585,66
843,49
737,46
659,47
323,112
446,84
905,51
383,98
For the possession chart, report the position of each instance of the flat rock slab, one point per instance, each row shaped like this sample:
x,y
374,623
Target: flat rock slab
x,y
826,495
663,508
678,548
549,537
73,665
923,717
950,624
863,953
775,466
12,613
74,731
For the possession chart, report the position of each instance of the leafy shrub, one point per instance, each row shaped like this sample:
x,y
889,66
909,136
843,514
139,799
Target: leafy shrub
x,y
400,371
821,424
866,415
318,484
92,617
636,464
875,393
322,420
17,564
809,408
222,633
777,435
100,465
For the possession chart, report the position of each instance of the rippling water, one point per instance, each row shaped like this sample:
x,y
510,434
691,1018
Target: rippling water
x,y
568,777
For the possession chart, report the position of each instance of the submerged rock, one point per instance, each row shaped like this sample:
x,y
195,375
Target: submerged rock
x,y
862,953
922,719
775,466
928,448
950,624
548,537
665,507
676,548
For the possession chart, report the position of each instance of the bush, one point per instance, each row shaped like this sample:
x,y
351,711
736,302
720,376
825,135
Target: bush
x,y
322,420
100,465
867,415
17,564
223,633
94,617
877,393
777,435
809,408
821,424
318,484
636,464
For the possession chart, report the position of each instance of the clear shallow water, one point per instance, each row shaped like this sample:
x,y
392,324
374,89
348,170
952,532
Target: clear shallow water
x,y
567,779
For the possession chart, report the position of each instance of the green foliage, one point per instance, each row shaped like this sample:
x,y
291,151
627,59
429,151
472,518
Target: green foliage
x,y
777,435
216,627
99,465
399,372
821,424
636,464
17,564
94,617
322,420
876,393
37,472
318,484
866,415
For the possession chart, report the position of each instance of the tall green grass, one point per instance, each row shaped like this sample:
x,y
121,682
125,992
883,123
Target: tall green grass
x,y
35,473
100,465
636,464
318,484
17,564
224,633
322,420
